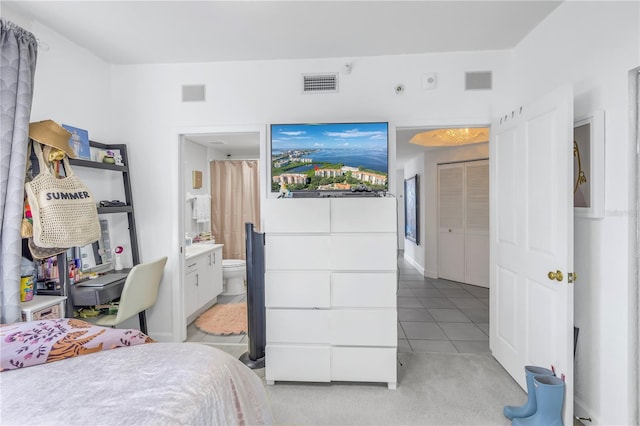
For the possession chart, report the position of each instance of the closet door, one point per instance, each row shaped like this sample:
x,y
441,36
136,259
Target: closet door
x,y
451,260
463,217
477,223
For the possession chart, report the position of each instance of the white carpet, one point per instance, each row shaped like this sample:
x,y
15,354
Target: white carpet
x,y
433,389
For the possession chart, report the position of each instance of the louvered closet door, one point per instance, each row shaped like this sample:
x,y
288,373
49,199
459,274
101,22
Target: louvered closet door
x,y
463,217
451,261
477,223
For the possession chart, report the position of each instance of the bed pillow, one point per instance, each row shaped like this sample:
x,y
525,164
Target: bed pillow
x,y
36,342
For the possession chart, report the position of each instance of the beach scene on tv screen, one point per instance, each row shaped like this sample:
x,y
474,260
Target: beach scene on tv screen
x,y
329,157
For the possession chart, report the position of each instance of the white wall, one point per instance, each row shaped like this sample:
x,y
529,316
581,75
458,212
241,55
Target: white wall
x,y
150,114
399,191
414,253
71,85
592,46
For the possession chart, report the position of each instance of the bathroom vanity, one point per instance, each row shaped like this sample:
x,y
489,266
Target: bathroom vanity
x,y
203,278
330,289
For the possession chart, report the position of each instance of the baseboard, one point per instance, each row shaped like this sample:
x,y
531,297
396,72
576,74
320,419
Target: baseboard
x,y
580,409
162,337
431,274
414,264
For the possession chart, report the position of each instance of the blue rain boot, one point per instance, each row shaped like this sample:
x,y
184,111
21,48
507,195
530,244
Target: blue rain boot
x,y
549,395
526,410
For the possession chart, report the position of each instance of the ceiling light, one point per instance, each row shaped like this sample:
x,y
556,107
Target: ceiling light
x,y
451,137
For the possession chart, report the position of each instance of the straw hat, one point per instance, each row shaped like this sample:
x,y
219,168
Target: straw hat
x,y
50,133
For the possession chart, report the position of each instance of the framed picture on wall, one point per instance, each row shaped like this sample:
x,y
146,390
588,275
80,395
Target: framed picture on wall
x,y
588,166
411,209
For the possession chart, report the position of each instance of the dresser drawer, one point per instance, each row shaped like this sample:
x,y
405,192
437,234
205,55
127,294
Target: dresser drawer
x,y
364,364
297,289
361,289
297,326
297,362
363,215
296,216
296,252
191,265
364,327
363,252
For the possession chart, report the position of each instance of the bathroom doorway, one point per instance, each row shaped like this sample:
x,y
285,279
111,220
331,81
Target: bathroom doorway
x,y
219,154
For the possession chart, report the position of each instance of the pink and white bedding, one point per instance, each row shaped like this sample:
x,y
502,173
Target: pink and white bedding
x,y
140,384
31,343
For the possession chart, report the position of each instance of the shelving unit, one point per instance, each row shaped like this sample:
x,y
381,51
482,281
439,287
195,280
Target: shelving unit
x,y
63,275
128,208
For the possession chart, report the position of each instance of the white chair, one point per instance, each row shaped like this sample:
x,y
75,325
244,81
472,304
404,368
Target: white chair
x,y
139,293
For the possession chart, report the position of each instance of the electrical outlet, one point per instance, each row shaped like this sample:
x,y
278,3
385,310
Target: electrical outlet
x,y
429,81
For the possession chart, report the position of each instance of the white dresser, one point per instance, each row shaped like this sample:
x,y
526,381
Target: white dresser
x,y
330,289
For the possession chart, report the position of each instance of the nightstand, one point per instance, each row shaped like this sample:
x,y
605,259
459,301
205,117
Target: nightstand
x,y
43,307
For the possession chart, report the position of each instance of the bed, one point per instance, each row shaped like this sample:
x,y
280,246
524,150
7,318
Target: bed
x,y
69,372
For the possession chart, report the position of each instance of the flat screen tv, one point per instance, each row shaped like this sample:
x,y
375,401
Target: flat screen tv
x,y
330,156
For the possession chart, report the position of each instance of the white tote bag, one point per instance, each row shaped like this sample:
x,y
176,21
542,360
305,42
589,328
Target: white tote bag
x,y
64,211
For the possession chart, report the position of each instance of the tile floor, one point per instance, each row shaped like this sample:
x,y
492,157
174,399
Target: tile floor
x,y
434,315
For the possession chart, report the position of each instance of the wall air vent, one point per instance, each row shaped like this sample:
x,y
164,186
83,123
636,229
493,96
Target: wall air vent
x,y
478,80
193,93
320,83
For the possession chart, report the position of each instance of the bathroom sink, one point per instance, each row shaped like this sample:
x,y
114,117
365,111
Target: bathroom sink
x,y
199,248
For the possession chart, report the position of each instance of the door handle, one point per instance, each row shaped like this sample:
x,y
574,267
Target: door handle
x,y
557,275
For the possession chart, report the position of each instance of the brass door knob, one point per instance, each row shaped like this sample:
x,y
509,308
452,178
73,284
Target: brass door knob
x,y
557,275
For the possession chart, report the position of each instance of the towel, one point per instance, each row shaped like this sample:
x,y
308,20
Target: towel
x,y
202,208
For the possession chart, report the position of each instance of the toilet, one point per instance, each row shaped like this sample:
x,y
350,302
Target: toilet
x,y
233,275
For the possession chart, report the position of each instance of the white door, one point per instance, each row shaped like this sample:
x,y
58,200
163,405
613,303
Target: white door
x,y
476,224
463,222
531,229
451,261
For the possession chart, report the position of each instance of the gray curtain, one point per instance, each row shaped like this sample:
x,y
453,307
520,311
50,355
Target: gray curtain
x,y
18,52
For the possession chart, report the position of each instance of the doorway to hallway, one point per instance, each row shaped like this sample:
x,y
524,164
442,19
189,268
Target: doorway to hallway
x,y
437,315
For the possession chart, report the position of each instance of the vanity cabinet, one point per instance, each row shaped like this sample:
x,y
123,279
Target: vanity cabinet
x,y
203,279
330,290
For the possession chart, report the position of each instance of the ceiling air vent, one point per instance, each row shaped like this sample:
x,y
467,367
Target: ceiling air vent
x,y
320,83
478,80
193,93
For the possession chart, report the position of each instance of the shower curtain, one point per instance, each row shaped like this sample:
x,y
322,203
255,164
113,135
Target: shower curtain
x,y
17,66
235,200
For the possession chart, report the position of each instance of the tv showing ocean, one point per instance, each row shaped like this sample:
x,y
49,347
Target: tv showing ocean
x,y
368,159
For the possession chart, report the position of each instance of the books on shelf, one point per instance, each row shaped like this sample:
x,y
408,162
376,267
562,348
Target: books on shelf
x,y
79,142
